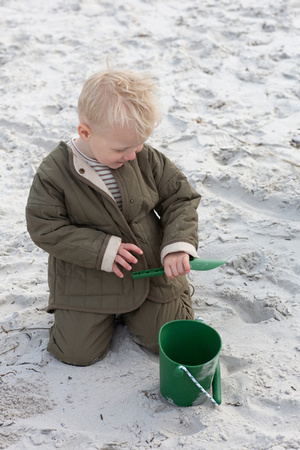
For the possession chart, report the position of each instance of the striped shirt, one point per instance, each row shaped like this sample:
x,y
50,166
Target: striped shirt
x,y
104,172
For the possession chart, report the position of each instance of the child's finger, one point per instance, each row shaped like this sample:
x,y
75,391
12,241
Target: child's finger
x,y
132,248
177,266
182,266
120,260
186,265
117,271
127,256
168,272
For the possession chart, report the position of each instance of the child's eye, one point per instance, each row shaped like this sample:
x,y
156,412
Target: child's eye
x,y
121,150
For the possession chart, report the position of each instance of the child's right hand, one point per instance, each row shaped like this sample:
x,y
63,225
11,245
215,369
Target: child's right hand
x,y
124,257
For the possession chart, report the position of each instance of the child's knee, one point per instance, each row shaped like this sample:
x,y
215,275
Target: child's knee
x,y
151,343
74,355
80,339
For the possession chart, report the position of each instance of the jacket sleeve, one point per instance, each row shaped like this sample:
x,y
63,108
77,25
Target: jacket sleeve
x,y
177,207
50,228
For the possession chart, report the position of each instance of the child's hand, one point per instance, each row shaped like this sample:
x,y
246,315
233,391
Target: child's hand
x,y
177,263
124,257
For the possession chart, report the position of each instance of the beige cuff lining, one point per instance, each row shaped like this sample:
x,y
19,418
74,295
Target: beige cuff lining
x,y
110,253
178,247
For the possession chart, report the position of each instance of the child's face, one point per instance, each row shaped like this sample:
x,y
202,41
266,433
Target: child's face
x,y
115,146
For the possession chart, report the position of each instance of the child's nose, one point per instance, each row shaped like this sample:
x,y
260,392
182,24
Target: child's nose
x,y
132,153
130,156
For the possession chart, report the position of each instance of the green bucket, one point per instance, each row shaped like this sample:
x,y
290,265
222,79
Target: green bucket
x,y
189,362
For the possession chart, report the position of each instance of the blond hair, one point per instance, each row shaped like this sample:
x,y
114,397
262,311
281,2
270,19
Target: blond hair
x,y
124,98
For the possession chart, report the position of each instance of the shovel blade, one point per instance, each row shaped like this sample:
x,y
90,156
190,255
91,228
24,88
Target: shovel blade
x,y
205,264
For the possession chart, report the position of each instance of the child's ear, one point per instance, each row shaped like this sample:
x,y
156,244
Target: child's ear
x,y
84,131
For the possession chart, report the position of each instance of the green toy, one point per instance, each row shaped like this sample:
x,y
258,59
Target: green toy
x,y
195,263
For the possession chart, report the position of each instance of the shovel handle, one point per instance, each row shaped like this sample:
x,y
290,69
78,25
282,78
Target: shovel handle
x,y
148,273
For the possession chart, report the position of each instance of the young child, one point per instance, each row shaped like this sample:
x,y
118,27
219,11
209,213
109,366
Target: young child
x,y
104,204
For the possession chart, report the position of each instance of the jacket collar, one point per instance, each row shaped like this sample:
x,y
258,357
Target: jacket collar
x,y
84,170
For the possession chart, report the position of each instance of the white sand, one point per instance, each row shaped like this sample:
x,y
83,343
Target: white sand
x,y
229,74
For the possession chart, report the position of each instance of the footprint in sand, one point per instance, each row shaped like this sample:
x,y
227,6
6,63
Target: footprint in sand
x,y
251,309
180,425
226,156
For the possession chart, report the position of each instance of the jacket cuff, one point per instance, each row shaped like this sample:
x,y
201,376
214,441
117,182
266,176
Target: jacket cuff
x,y
110,253
178,247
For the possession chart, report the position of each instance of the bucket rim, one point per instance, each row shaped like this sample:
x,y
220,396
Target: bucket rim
x,y
201,324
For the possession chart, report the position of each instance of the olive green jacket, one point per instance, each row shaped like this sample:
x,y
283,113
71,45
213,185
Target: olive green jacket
x,y
72,216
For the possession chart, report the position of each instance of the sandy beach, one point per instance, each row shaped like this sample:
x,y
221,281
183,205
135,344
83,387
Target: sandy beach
x,y
229,75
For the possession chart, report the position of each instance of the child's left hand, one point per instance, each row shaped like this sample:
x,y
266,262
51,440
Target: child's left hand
x,y
177,263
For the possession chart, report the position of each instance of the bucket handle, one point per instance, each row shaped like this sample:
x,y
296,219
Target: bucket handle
x,y
216,380
199,385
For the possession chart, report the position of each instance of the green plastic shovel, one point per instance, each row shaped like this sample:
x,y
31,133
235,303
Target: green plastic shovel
x,y
195,263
